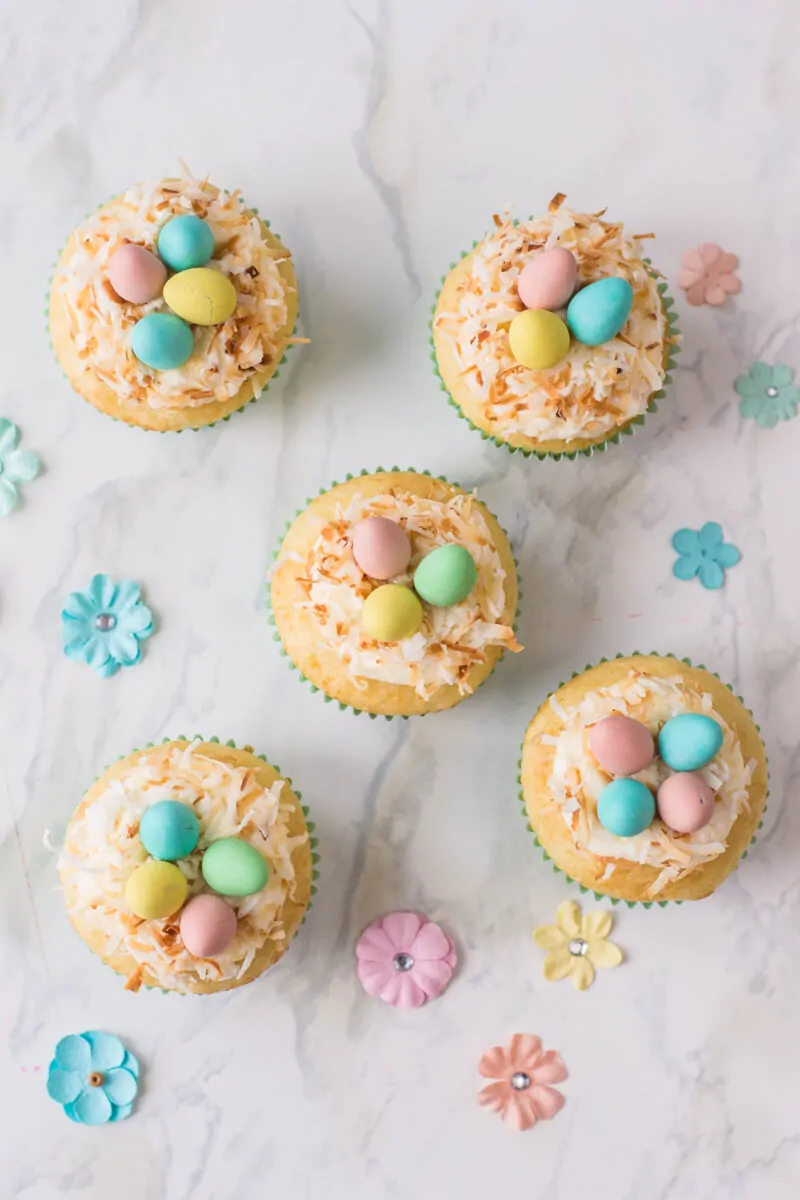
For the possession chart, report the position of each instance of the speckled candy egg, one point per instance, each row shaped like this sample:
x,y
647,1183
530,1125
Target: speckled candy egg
x,y
391,613
208,925
621,745
162,341
685,802
135,274
626,807
689,741
446,576
233,867
186,242
201,296
597,313
538,339
169,830
548,279
381,547
155,890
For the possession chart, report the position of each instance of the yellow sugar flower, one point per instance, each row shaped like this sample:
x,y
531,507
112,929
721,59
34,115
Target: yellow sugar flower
x,y
576,944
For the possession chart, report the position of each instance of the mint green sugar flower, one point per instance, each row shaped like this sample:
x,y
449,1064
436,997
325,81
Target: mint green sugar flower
x,y
16,466
769,394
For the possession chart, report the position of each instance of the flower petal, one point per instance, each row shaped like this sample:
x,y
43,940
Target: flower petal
x,y
730,283
545,1101
781,375
403,991
696,294
432,976
689,276
93,1107
107,1051
767,417
752,407
581,973
550,1068
138,620
745,386
519,1113
375,977
686,567
401,928
685,541
128,593
131,1063
761,374
374,945
692,261
21,466
557,965
711,575
69,1109
101,592
123,646
603,953
495,1063
120,1112
8,497
430,944
495,1096
597,924
710,536
727,555
549,937
73,1053
709,252
715,294
120,1086
107,668
77,607
727,263
64,1086
568,918
524,1051
9,436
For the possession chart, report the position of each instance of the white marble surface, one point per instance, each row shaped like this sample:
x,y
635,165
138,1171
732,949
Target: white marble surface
x,y
380,137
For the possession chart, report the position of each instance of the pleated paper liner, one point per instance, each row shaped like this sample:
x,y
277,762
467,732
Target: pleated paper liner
x,y
614,437
602,896
133,425
276,637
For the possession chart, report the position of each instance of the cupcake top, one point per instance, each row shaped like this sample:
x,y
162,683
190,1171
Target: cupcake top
x,y
104,847
593,389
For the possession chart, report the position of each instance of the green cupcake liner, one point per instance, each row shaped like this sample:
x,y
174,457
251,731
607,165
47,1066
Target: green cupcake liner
x,y
613,439
547,858
310,826
143,428
276,637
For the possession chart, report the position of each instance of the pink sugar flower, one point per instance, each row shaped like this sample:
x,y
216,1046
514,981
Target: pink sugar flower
x,y
707,275
522,1075
405,959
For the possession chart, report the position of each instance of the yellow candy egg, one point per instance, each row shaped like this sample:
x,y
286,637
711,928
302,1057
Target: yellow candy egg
x,y
155,889
538,338
201,296
391,613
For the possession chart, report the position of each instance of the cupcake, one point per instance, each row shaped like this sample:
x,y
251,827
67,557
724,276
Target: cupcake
x,y
188,867
553,336
395,593
171,306
644,779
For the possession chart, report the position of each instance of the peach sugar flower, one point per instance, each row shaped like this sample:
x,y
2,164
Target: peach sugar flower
x,y
522,1075
707,275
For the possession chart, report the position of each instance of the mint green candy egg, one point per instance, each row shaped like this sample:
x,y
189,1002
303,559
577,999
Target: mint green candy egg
x,y
186,242
169,830
626,807
446,576
233,867
689,741
597,313
162,341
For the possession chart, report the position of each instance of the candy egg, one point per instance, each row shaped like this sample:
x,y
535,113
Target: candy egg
x,y
135,274
233,867
621,745
689,741
208,925
186,242
381,547
169,830
626,807
598,312
162,341
155,889
538,338
201,296
685,802
548,279
446,576
391,613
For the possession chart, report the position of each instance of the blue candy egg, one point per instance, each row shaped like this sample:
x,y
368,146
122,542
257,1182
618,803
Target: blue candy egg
x,y
169,830
689,741
626,807
598,312
186,242
162,341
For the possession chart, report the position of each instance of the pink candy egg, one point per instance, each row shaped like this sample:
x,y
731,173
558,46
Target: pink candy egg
x,y
381,547
548,279
621,745
685,802
208,925
135,274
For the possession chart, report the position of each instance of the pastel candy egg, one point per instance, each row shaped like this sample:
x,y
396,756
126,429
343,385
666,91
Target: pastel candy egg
x,y
208,925
446,576
598,312
169,830
162,341
155,890
538,338
381,547
186,242
626,807
233,867
689,741
135,274
685,802
201,296
621,745
391,613
548,279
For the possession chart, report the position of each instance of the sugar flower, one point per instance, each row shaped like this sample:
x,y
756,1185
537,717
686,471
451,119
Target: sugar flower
x,y
577,944
769,394
104,624
707,275
522,1075
93,1077
16,466
405,959
703,553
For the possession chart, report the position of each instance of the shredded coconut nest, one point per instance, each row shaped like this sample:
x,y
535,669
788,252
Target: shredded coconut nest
x,y
450,641
225,356
103,849
595,389
576,780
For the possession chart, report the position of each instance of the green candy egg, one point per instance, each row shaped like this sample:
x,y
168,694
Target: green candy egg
x,y
186,242
446,576
689,741
169,830
162,341
626,807
233,867
597,313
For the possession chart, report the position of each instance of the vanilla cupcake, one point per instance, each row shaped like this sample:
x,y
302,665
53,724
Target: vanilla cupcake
x,y
171,306
395,593
644,779
189,867
554,335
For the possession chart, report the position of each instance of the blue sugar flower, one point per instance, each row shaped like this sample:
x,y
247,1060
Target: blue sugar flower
x,y
16,466
703,554
103,625
93,1077
769,395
